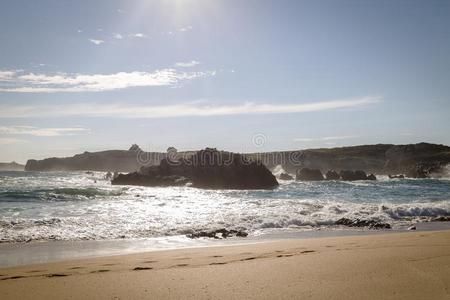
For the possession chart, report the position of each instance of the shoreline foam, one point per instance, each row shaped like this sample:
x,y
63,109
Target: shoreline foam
x,y
413,265
19,254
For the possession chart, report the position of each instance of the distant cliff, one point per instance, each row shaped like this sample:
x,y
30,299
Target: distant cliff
x,y
379,159
12,166
111,160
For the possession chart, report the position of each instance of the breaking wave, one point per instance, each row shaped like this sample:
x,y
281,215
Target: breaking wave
x,y
72,206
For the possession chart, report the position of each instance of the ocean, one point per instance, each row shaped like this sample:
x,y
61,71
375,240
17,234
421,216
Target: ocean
x,y
80,206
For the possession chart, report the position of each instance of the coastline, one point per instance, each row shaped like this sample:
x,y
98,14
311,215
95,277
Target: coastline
x,y
411,265
39,252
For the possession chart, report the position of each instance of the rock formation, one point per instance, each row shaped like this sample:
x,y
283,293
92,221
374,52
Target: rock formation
x,y
348,175
285,176
209,168
307,174
371,224
415,160
332,175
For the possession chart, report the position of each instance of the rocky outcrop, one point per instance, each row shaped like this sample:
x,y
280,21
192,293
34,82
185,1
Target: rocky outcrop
x,y
285,176
13,166
425,170
348,175
371,177
218,234
209,168
371,224
307,174
332,175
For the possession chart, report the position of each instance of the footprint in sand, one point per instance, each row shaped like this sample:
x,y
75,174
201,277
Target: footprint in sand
x,y
308,251
182,265
56,275
12,277
285,255
249,258
142,268
100,271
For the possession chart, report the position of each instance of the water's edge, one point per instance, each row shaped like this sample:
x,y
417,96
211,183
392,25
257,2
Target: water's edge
x,y
18,254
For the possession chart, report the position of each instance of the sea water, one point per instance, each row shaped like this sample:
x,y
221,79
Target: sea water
x,y
78,206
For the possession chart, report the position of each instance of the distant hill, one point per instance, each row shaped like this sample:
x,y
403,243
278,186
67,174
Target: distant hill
x,y
379,159
12,166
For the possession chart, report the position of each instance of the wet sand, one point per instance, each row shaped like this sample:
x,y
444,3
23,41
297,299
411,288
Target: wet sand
x,y
413,265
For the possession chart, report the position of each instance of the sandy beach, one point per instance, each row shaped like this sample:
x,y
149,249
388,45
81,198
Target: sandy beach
x,y
413,265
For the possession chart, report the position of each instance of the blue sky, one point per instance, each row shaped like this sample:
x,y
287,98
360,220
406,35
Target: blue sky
x,y
238,75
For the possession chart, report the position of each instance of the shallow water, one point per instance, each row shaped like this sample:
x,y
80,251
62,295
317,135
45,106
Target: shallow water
x,y
73,206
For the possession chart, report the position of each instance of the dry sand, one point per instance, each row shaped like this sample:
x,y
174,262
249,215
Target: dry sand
x,y
412,265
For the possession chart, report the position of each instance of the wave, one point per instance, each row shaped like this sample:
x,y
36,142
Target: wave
x,y
57,194
306,215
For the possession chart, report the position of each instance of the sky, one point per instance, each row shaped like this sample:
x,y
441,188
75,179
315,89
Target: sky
x,y
244,76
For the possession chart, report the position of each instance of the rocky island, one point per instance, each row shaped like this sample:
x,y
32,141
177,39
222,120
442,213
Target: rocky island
x,y
208,168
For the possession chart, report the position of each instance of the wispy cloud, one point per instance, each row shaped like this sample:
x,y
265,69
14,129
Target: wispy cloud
x,y
7,75
118,36
63,82
187,64
176,110
138,35
35,131
96,42
326,139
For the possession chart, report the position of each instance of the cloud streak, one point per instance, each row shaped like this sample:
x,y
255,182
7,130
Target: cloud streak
x,y
138,35
96,42
176,110
43,132
62,82
326,139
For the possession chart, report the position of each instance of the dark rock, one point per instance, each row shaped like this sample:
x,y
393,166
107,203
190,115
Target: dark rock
x,y
207,168
425,169
218,234
371,177
286,176
372,224
307,174
135,147
332,175
348,175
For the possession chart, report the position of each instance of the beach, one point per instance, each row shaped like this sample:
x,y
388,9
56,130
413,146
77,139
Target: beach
x,y
412,265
